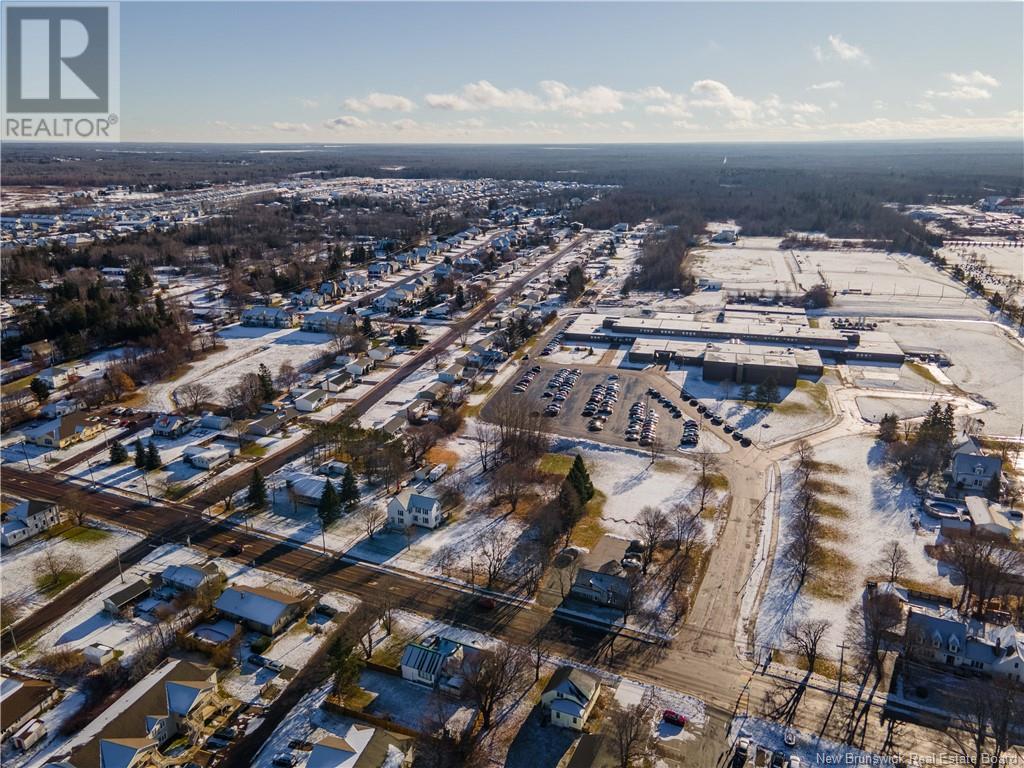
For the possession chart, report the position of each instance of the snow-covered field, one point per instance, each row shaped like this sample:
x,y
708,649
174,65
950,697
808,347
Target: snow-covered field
x,y
630,482
94,547
974,349
875,509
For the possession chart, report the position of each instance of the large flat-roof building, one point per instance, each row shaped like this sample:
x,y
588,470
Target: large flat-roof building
x,y
674,337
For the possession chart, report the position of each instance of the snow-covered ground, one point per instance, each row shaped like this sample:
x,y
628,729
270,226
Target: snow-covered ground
x,y
36,458
89,623
972,347
875,509
95,547
630,482
801,408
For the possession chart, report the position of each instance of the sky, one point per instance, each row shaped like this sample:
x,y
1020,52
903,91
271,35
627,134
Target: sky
x,y
576,72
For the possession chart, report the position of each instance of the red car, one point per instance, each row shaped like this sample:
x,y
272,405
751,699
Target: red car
x,y
674,718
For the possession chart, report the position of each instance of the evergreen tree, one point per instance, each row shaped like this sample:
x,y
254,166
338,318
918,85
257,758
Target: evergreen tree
x,y
570,506
40,389
257,489
367,326
266,383
152,460
329,508
579,479
887,428
140,455
460,297
349,490
118,453
412,336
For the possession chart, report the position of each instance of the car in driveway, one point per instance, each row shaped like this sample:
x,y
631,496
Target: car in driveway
x,y
673,717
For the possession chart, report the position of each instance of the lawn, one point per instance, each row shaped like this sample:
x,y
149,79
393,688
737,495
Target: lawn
x,y
82,535
555,463
51,585
588,530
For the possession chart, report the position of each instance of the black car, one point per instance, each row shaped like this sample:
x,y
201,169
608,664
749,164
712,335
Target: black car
x,y
728,428
745,442
717,421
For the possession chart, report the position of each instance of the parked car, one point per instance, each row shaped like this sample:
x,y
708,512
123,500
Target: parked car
x,y
673,717
283,761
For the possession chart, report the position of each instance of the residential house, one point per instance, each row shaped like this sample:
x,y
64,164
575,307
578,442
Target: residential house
x,y
53,409
359,367
953,642
569,697
328,322
178,698
452,374
273,422
305,488
416,412
309,298
44,350
336,381
380,353
362,746
207,457
119,603
394,426
601,588
172,425
411,507
332,468
974,473
55,377
433,392
28,519
23,698
190,578
268,317
261,609
64,431
212,421
311,400
437,662
380,269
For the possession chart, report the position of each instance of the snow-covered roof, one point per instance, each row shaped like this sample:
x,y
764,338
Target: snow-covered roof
x,y
256,604
122,753
182,696
336,752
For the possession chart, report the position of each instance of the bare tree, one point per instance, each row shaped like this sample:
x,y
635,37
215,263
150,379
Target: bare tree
x,y
193,395
496,546
488,440
511,480
372,518
493,676
804,638
651,525
287,376
54,570
631,731
74,504
707,463
895,560
687,529
419,440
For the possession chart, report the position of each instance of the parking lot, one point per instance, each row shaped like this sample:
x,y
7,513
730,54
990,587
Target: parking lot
x,y
633,386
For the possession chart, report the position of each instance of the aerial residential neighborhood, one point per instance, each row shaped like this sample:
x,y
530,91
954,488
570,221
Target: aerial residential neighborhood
x,y
358,412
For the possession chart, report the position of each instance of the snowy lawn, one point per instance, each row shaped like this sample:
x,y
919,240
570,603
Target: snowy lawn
x,y
864,509
94,546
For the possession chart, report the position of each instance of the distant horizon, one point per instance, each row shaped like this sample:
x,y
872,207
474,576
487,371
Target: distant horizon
x,y
554,73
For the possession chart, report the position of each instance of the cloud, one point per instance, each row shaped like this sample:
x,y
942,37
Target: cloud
x,y
973,78
553,96
595,100
380,102
484,95
291,127
345,121
309,103
804,108
711,94
628,125
404,124
828,85
971,86
840,49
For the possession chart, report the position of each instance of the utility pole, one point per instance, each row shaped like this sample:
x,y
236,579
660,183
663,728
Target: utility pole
x,y
839,682
117,554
